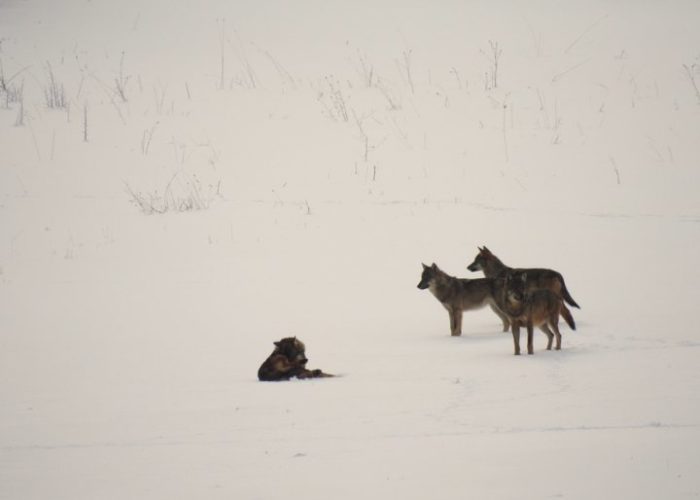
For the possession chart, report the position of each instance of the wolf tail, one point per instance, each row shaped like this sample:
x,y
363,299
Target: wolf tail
x,y
566,314
567,296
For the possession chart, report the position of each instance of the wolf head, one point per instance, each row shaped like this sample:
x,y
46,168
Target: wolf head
x,y
293,349
481,259
429,274
516,287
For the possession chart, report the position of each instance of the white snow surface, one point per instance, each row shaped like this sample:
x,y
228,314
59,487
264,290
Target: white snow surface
x,y
308,156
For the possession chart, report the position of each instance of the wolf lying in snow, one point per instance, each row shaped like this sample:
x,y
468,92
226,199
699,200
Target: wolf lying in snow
x,y
288,360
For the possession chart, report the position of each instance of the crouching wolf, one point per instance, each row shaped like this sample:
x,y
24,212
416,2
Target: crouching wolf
x,y
458,295
536,279
288,360
531,308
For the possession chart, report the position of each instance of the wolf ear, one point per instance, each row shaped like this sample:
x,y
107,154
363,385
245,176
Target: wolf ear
x,y
434,266
277,343
424,266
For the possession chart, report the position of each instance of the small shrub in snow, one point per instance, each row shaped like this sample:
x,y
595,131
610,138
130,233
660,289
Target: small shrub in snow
x,y
54,93
177,196
13,93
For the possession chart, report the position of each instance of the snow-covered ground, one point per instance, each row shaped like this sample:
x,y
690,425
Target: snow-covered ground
x,y
308,156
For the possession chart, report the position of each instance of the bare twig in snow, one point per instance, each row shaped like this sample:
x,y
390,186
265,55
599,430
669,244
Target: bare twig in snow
x,y
558,76
250,79
585,32
381,86
110,95
85,123
405,69
337,108
557,124
505,135
222,55
494,57
691,72
281,70
454,71
366,70
19,121
615,169
54,92
146,138
121,81
363,134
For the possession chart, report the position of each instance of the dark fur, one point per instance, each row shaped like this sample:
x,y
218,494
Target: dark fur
x,y
536,278
287,361
530,308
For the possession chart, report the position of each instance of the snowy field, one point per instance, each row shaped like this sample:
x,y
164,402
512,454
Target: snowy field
x,y
182,183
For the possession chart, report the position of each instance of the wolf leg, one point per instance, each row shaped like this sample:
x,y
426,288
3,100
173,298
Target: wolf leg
x,y
504,318
555,326
456,322
549,334
515,329
530,350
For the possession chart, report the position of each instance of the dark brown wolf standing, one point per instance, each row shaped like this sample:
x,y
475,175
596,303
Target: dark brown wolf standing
x,y
288,360
458,295
537,279
530,308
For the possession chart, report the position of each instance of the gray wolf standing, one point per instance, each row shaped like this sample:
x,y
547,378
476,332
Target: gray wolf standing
x,y
531,308
548,279
458,295
286,361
